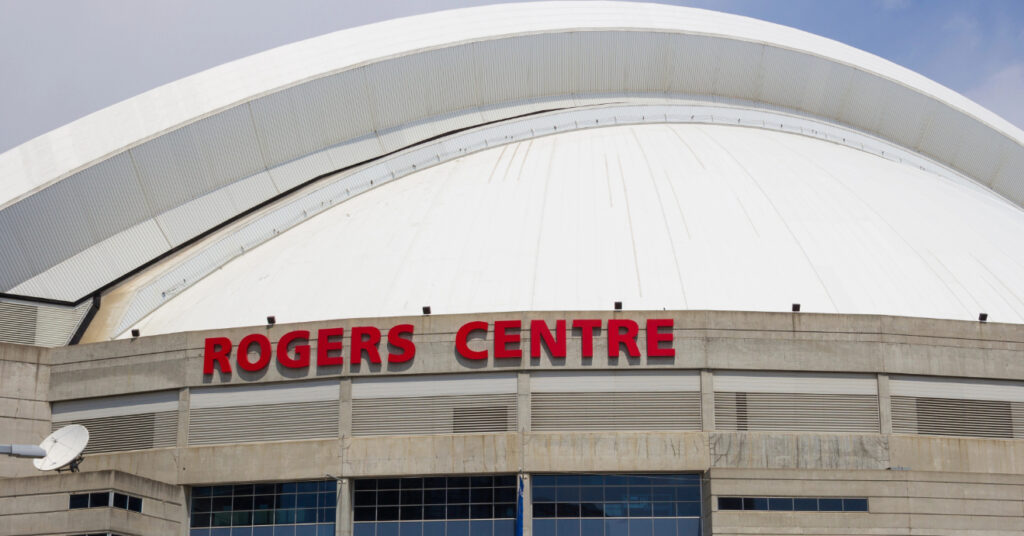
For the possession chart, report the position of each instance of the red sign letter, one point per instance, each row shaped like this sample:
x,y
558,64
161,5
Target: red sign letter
x,y
460,340
539,331
502,338
586,328
217,350
616,337
324,345
405,345
654,337
370,345
301,358
243,352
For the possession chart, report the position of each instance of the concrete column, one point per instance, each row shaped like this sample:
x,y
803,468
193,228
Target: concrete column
x,y
884,404
707,401
345,409
527,505
343,525
183,405
523,414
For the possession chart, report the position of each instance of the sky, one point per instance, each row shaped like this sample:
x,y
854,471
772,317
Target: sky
x,y
61,60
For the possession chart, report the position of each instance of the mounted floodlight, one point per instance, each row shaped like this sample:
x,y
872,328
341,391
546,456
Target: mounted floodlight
x,y
618,306
63,449
136,333
426,309
796,307
983,317
271,320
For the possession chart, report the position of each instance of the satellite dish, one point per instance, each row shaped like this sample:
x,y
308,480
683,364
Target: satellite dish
x,y
63,449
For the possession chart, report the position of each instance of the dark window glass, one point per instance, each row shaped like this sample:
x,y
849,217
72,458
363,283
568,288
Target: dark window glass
x,y
263,502
99,499
458,482
242,503
664,509
567,509
781,504
220,519
458,495
504,510
239,519
434,511
365,514
200,520
481,511
285,501
306,487
481,495
201,491
435,482
755,503
688,509
543,480
640,509
730,503
592,510
327,515
388,483
266,489
830,505
543,510
412,496
365,484
804,504
219,491
365,498
855,505
504,480
411,513
481,481
411,483
387,513
544,494
242,489
305,500
458,511
388,497
200,505
120,501
434,496
263,517
307,515
78,500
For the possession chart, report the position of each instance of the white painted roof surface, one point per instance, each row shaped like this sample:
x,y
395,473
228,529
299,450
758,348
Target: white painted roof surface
x,y
656,216
92,201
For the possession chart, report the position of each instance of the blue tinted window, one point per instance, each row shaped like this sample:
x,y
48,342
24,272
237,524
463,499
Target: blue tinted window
x,y
287,508
855,505
799,504
781,504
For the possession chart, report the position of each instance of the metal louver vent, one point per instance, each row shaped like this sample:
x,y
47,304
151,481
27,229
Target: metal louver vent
x,y
128,432
38,324
615,411
268,422
447,414
796,412
957,417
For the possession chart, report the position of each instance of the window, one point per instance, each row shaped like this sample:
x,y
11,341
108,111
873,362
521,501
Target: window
x,y
102,499
429,506
798,504
652,504
305,508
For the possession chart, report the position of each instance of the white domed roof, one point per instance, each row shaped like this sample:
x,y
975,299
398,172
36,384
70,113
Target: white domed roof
x,y
676,216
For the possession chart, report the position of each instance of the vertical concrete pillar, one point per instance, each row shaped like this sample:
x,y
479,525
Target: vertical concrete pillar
x,y
343,523
183,405
523,414
884,404
707,401
345,409
527,505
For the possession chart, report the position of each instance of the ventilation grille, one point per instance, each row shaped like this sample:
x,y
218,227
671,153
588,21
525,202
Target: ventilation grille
x,y
128,432
458,414
615,411
957,417
269,422
796,412
40,324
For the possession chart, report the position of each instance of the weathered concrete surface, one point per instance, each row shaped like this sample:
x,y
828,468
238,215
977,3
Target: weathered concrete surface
x,y
798,451
615,451
259,462
39,505
24,410
960,454
431,454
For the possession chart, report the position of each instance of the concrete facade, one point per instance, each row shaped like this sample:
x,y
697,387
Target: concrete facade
x,y
916,484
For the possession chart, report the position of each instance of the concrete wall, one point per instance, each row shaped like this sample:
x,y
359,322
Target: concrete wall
x,y
39,505
906,477
24,406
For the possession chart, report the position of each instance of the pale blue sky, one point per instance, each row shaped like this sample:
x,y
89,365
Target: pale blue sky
x,y
60,60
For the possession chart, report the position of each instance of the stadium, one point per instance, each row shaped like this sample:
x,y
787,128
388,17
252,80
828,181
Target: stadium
x,y
548,268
